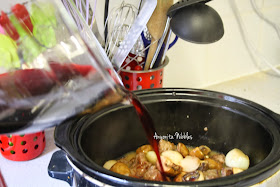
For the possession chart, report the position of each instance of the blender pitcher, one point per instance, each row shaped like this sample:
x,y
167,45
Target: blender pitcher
x,y
51,72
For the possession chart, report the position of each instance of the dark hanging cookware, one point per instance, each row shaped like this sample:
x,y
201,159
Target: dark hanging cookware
x,y
194,21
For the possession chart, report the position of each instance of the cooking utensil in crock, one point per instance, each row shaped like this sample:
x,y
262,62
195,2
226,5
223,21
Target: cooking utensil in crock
x,y
194,21
119,22
134,32
162,51
156,25
231,122
87,10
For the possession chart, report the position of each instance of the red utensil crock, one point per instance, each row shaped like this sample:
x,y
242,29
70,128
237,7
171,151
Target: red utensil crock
x,y
138,79
22,147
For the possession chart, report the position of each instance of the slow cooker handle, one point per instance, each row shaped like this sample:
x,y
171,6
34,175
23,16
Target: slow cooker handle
x,y
59,168
62,137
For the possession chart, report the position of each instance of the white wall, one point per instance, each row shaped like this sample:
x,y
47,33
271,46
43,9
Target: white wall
x,y
196,65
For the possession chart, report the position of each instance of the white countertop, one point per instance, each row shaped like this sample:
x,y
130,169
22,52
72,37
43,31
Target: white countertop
x,y
261,88
32,173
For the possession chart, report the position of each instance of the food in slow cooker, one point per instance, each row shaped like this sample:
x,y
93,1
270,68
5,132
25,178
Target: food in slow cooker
x,y
181,163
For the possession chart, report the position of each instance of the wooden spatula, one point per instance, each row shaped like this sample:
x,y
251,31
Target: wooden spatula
x,y
156,26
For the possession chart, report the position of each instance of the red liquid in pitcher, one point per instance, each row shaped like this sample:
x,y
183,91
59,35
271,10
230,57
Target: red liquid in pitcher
x,y
22,91
28,83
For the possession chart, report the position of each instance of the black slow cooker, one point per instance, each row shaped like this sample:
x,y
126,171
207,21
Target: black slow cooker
x,y
218,120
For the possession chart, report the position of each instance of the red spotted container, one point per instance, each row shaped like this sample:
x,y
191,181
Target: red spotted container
x,y
134,78
22,147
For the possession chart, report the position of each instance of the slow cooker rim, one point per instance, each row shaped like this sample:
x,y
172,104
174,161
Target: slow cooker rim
x,y
101,174
274,163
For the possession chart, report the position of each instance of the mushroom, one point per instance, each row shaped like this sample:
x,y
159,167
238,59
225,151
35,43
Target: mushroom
x,y
191,176
181,148
204,165
120,168
204,149
144,149
169,168
174,156
213,164
179,177
237,159
197,153
190,163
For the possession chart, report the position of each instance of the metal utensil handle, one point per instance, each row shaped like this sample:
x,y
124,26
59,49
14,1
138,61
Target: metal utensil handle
x,y
134,32
148,42
160,42
166,47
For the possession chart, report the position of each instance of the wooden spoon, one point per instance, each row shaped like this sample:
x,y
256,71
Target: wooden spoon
x,y
156,26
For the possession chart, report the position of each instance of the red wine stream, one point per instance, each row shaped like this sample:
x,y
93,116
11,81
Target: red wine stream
x,y
145,119
148,126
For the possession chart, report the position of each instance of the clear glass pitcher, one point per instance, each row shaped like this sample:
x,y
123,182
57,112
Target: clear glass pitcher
x,y
48,72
